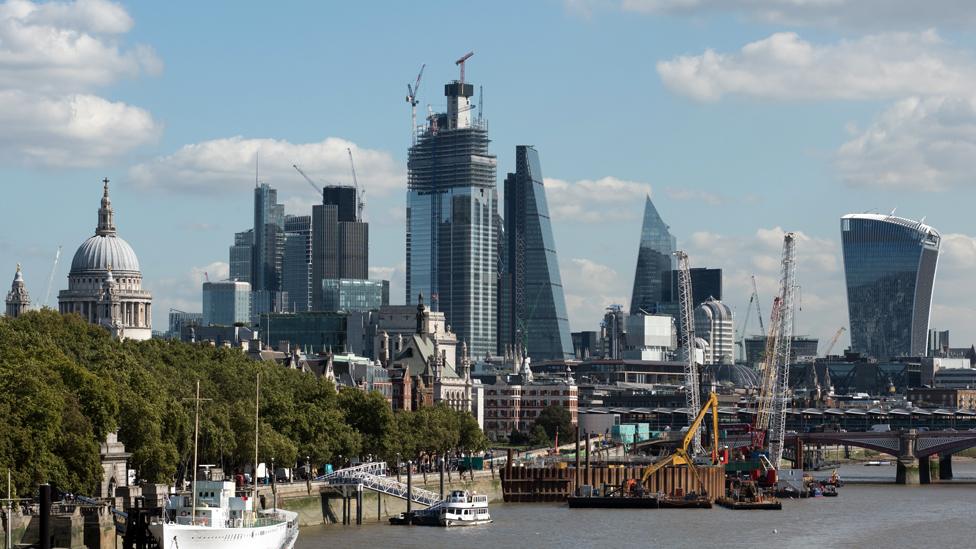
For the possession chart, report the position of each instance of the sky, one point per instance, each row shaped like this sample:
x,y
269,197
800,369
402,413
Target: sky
x,y
741,119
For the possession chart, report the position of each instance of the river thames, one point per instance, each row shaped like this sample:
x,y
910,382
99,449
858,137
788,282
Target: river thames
x,y
864,515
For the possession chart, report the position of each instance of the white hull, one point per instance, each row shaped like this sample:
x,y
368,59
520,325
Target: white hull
x,y
454,522
182,536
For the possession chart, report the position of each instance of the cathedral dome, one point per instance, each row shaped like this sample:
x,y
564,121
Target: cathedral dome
x,y
100,252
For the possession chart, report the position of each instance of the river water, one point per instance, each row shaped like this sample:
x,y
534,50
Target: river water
x,y
864,515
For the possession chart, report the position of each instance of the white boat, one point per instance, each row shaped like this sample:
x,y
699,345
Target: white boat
x,y
464,509
222,520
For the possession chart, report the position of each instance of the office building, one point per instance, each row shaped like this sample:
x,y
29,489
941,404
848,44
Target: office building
x,y
352,294
340,240
241,254
105,281
649,337
586,344
705,283
938,344
802,348
226,303
889,265
713,324
269,250
532,311
311,331
178,320
297,263
654,258
452,207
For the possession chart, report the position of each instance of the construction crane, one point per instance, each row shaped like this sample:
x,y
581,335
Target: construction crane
x,y
784,341
319,190
50,278
412,99
360,194
753,299
833,340
460,63
681,455
767,385
687,340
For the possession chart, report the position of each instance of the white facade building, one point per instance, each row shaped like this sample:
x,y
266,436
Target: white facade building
x,y
713,324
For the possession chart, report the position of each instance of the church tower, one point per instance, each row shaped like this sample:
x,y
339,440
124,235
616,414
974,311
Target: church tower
x,y
18,300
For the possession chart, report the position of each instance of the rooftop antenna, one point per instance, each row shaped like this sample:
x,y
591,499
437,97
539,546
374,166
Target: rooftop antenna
x,y
256,153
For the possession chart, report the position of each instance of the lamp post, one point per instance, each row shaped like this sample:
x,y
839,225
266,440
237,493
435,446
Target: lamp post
x,y
308,473
274,486
398,466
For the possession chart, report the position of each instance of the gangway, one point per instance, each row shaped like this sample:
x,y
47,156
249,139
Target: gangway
x,y
373,477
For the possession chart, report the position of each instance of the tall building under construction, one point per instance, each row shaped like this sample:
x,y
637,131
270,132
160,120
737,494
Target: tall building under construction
x,y
452,204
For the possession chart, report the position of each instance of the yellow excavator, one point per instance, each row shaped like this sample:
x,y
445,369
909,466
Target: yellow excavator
x,y
681,455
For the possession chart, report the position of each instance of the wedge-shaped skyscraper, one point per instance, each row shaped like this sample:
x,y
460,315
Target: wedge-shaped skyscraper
x,y
889,263
532,306
655,256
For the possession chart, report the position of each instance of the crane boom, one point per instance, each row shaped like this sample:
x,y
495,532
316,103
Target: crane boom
x,y
50,278
412,99
681,455
460,62
767,386
320,191
692,398
755,292
784,342
833,340
360,198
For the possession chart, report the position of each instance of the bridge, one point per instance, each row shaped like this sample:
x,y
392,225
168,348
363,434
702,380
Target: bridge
x,y
912,448
372,476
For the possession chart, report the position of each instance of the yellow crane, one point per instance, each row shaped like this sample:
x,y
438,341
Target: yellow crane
x,y
681,455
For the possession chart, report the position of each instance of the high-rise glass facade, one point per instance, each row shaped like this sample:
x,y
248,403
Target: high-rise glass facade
x,y
269,247
532,309
340,241
348,294
226,303
889,264
654,257
240,256
452,204
297,262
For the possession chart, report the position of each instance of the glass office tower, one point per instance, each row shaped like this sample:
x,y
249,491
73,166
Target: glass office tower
x,y
532,309
296,277
451,236
269,249
889,264
654,257
340,240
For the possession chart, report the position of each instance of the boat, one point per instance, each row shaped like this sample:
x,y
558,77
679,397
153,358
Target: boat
x,y
765,504
829,491
213,516
613,502
220,520
689,501
462,508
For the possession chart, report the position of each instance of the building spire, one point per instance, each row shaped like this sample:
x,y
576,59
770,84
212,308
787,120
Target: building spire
x,y
106,217
18,300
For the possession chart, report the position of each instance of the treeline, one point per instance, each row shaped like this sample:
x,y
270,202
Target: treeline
x,y
64,385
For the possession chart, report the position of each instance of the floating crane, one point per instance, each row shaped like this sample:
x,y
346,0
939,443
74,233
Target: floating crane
x,y
412,99
681,455
692,398
360,194
50,278
833,340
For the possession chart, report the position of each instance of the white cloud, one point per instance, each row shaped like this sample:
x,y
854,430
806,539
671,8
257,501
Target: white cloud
x,y
588,201
396,274
220,165
696,195
589,288
183,292
783,66
872,14
917,143
52,56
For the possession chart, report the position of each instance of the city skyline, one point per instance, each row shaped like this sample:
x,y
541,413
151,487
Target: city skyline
x,y
182,164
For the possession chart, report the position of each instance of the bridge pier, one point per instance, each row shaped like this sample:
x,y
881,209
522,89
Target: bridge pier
x,y
907,472
924,470
945,467
798,462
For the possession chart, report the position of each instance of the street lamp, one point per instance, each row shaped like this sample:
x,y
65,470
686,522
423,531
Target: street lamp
x,y
398,466
308,473
274,486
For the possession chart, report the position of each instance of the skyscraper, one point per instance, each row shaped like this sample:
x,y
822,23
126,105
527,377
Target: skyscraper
x,y
226,303
533,307
889,264
713,323
655,256
297,262
241,254
269,250
452,203
340,240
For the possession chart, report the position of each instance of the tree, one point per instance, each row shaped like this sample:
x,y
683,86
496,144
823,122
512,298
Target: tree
x,y
471,437
371,415
555,417
539,438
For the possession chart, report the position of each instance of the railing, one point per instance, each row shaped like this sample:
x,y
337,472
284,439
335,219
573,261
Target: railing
x,y
373,476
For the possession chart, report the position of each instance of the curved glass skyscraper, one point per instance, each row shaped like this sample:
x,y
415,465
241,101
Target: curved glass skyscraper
x,y
889,263
655,256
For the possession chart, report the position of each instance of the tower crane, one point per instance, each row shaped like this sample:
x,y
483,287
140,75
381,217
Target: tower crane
x,y
767,385
784,341
50,278
460,63
692,397
360,193
833,340
412,99
753,299
319,190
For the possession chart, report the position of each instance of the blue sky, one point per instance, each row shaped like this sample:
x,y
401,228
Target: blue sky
x,y
741,118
